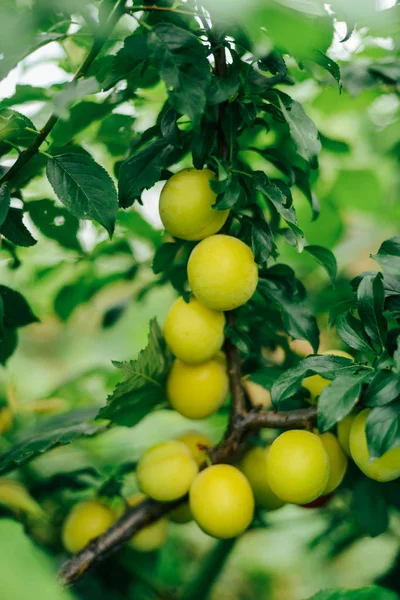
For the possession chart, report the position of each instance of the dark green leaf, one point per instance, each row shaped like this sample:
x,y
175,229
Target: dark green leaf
x,y
169,128
4,203
55,223
142,389
297,319
142,170
262,242
116,132
368,593
69,298
338,398
302,129
333,145
85,188
281,202
383,429
370,507
181,60
8,344
230,195
326,258
328,366
46,438
203,140
388,256
370,305
14,229
130,59
17,312
13,128
223,88
384,387
330,65
352,332
164,257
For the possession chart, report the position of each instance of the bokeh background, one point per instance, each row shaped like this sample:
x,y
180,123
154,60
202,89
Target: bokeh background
x,y
92,312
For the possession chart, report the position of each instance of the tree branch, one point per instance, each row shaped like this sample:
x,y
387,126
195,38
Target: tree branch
x,y
149,511
98,43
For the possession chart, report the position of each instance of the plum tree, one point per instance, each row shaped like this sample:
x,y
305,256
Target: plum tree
x,y
197,391
86,521
384,468
315,383
198,443
222,501
194,332
298,467
186,204
166,471
254,466
222,272
149,538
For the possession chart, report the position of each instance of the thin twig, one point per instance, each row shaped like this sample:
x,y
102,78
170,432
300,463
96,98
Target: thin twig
x,y
98,43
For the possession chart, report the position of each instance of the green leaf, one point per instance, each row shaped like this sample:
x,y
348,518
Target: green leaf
x,y
181,60
327,366
137,227
388,256
326,258
169,129
80,116
8,344
352,332
369,507
1,319
117,144
55,222
72,92
302,129
383,429
4,203
13,126
229,192
17,312
368,593
55,432
282,204
85,188
142,389
370,305
203,140
384,387
142,170
165,256
262,241
130,59
298,320
14,229
328,64
338,398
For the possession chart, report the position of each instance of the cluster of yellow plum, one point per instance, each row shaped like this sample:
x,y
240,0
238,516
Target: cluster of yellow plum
x,y
352,433
222,275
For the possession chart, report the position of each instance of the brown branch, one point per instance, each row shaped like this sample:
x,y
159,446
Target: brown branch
x,y
149,511
238,399
98,43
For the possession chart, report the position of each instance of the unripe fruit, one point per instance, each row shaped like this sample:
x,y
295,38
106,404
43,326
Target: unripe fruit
x,y
254,466
337,459
221,501
86,521
194,332
186,204
197,391
343,430
258,395
222,272
152,536
385,468
165,471
195,441
298,466
182,514
315,383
